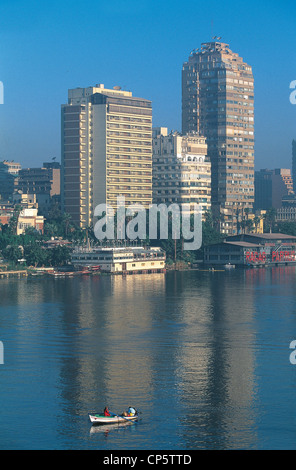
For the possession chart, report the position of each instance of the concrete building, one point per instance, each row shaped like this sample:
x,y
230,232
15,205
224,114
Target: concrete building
x,y
25,207
28,201
218,103
6,212
271,187
181,169
251,250
294,164
106,151
44,182
8,181
13,167
29,218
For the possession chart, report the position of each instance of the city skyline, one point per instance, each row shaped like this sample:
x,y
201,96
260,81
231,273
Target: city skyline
x,y
141,47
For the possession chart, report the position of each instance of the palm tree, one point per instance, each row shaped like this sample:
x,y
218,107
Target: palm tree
x,y
269,219
66,222
257,221
14,219
249,225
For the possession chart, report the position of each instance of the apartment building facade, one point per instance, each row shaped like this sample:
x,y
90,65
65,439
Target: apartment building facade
x,y
106,151
218,103
181,169
271,186
44,182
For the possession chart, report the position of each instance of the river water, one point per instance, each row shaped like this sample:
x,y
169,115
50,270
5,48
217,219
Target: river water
x,y
204,356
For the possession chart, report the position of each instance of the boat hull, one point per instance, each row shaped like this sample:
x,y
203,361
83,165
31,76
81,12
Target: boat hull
x,y
101,419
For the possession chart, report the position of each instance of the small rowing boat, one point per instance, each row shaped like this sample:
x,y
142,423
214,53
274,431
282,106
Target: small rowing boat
x,y
102,419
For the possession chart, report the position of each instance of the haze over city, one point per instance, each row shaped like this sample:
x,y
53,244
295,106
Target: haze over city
x,y
49,47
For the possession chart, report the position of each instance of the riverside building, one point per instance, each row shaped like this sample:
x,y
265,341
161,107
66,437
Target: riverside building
x,y
218,103
120,260
181,169
253,250
106,151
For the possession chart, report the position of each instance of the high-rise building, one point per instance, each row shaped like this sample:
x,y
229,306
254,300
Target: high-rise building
x,y
44,182
106,151
218,103
271,186
181,169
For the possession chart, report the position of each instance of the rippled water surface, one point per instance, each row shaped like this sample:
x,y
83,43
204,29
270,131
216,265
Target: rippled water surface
x,y
204,356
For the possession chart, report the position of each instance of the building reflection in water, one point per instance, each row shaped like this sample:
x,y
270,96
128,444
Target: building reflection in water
x,y
179,343
111,317
217,363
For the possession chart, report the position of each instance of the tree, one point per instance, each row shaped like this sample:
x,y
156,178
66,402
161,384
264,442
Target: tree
x,y
13,253
288,228
35,255
257,221
249,225
66,222
13,221
60,255
210,234
269,220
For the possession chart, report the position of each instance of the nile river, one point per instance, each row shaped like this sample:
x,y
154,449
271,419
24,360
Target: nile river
x,y
204,356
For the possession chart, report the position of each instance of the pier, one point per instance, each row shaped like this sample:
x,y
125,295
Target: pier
x,y
13,273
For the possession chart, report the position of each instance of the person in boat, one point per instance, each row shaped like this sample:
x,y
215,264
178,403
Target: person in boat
x,y
131,411
106,411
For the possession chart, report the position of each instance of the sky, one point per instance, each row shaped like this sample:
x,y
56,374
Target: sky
x,y
48,47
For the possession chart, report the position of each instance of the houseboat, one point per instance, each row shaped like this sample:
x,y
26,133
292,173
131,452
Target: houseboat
x,y
120,260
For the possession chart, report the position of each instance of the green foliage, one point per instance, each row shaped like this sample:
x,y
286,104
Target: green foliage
x,y
289,228
59,255
210,234
12,253
269,220
35,255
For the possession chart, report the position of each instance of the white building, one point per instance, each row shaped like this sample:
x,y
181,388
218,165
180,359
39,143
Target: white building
x,y
181,169
120,260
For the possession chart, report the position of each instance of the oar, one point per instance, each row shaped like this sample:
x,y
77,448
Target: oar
x,y
121,416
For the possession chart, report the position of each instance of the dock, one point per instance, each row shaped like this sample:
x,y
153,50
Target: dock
x,y
13,273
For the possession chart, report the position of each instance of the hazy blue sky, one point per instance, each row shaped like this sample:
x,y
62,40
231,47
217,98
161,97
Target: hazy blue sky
x,y
47,47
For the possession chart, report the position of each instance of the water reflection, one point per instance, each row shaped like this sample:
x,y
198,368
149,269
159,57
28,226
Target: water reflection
x,y
187,347
217,362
